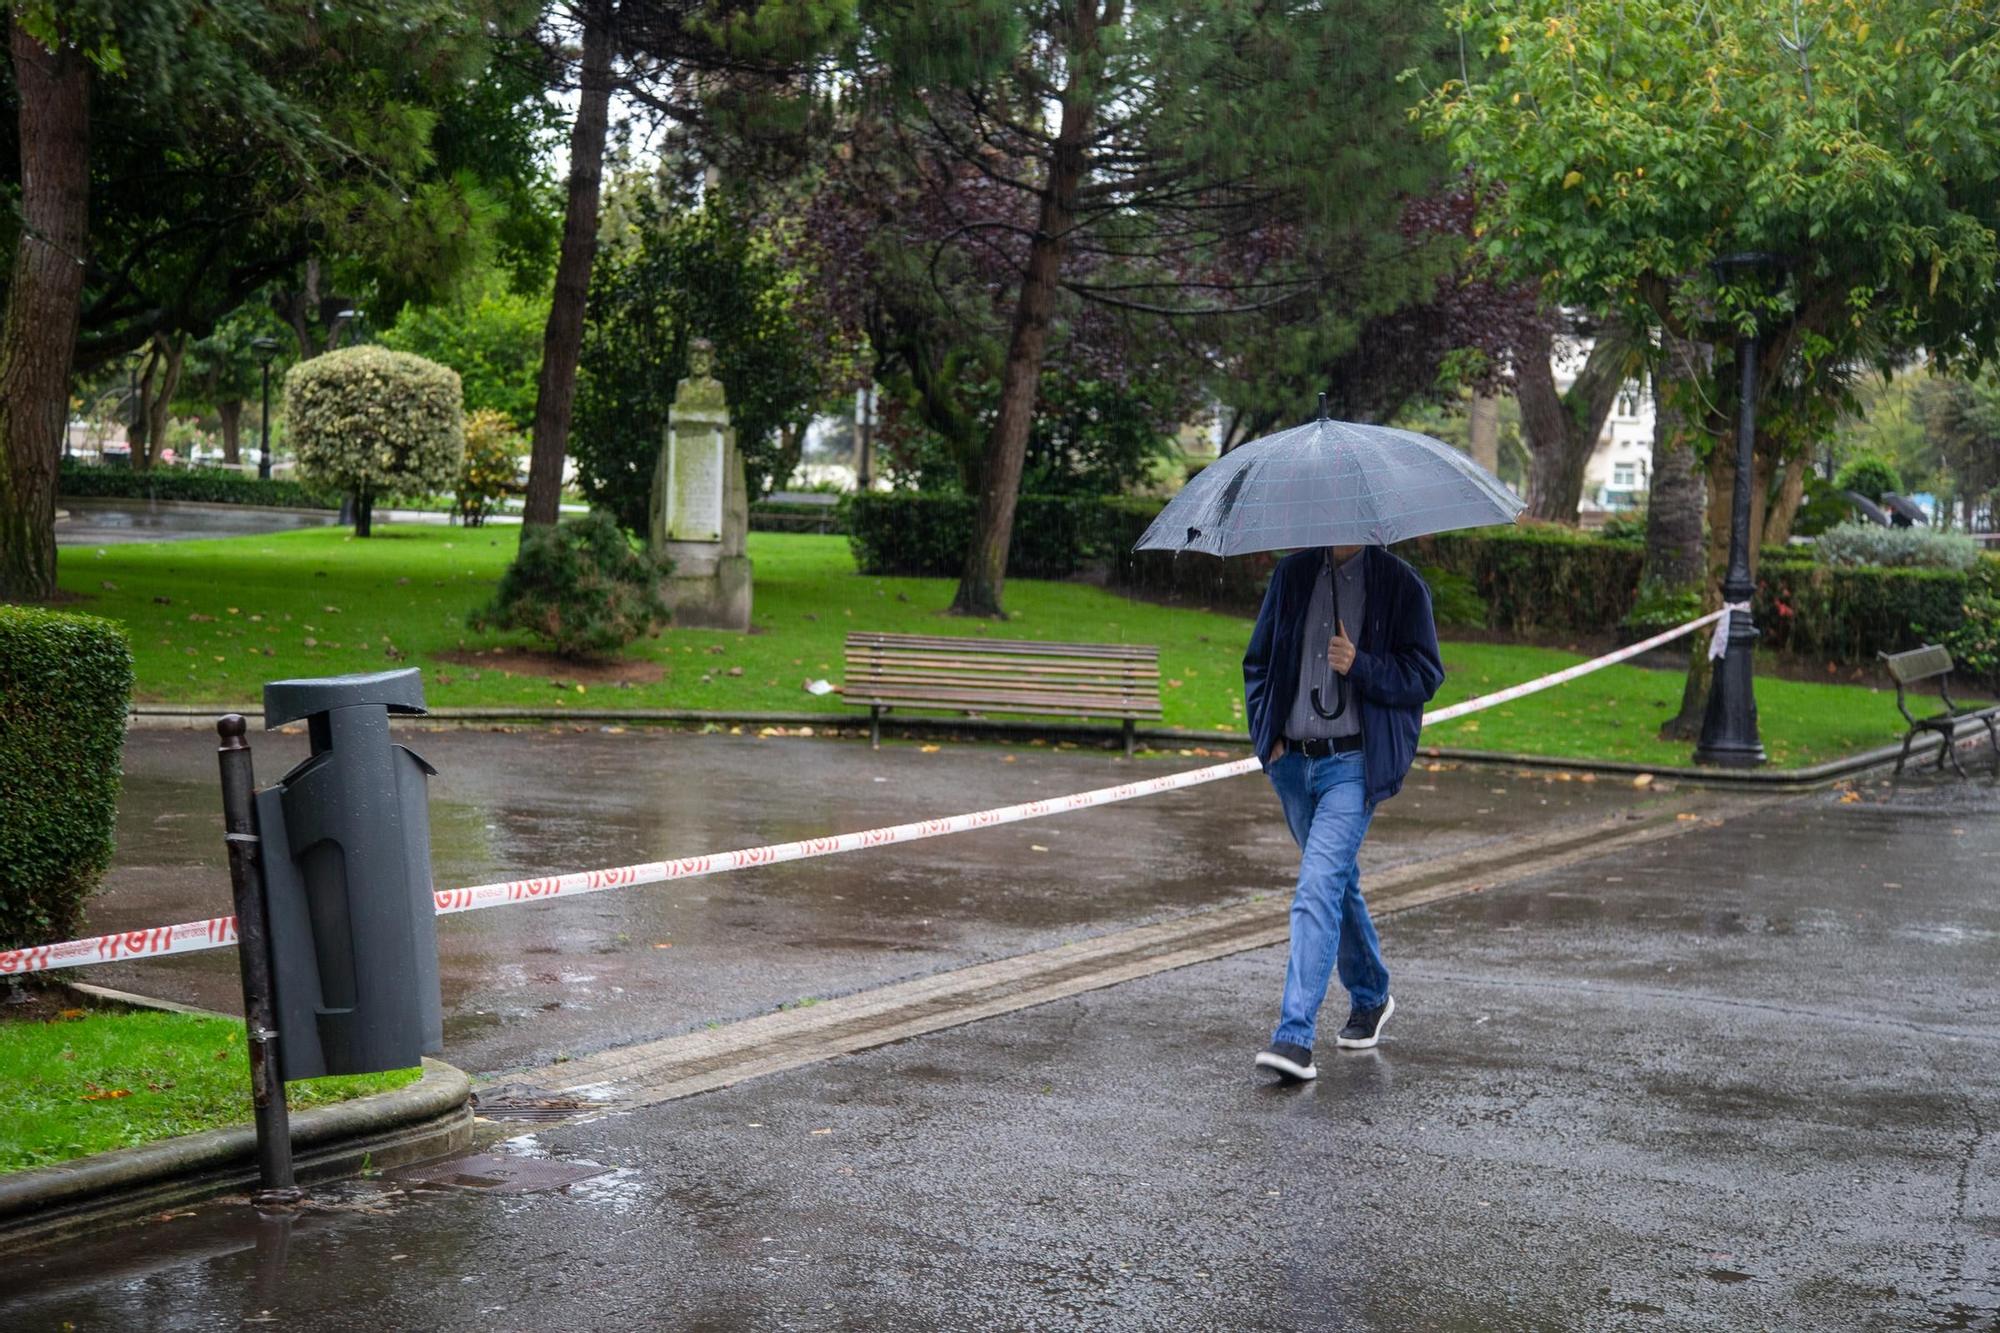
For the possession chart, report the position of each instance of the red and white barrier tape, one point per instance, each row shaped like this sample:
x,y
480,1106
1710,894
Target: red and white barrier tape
x,y
218,932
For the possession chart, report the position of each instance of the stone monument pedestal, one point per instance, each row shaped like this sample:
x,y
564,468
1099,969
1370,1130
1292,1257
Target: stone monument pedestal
x,y
700,509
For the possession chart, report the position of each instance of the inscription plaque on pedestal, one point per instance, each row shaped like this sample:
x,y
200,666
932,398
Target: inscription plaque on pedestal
x,y
694,485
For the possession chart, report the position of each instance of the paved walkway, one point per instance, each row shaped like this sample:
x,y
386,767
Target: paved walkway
x,y
526,985
1737,1079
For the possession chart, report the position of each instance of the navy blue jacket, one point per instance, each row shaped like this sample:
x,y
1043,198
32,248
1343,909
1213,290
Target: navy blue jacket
x,y
1396,668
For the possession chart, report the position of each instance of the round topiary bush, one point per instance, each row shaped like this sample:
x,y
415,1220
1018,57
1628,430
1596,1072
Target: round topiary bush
x,y
1869,475
492,449
580,587
371,421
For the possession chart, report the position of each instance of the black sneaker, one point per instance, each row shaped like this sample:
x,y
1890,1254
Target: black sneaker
x,y
1364,1026
1289,1059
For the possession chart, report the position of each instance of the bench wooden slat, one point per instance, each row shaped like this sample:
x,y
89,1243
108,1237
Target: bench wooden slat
x,y
975,676
858,690
1919,663
1075,669
1023,647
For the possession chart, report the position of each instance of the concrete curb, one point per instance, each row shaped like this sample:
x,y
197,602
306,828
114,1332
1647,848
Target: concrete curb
x,y
429,1118
191,717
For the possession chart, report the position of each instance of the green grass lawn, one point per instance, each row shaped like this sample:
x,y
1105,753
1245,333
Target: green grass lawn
x,y
212,620
99,1080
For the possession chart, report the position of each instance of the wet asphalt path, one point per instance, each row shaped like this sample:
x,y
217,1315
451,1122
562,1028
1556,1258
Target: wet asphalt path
x,y
527,984
1741,1079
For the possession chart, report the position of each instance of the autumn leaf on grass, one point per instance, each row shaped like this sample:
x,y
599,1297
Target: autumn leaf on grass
x,y
107,1094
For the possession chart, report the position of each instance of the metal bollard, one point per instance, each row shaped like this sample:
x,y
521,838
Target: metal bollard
x,y
246,880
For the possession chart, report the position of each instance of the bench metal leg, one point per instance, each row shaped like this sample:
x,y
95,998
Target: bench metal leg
x,y
1128,737
874,727
1909,739
1951,750
1993,740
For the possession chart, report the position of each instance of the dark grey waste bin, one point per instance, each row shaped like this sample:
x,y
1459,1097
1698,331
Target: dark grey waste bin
x,y
347,871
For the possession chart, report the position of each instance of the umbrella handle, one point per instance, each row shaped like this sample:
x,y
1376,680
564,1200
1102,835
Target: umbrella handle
x,y
1340,682
1339,699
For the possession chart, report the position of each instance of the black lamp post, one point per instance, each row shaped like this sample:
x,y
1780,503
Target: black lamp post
x,y
1729,728
265,348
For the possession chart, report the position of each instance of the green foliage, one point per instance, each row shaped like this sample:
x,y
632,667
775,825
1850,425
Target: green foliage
x,y
373,421
1626,528
1454,600
1974,642
493,448
1540,577
201,484
1834,614
1870,544
926,535
1630,143
64,684
1821,507
184,1073
580,587
493,339
705,273
1660,607
1870,475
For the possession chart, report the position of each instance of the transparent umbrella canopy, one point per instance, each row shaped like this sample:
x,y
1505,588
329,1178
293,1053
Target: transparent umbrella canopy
x,y
1330,483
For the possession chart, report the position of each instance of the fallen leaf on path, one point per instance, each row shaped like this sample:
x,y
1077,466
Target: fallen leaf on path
x,y
1643,780
931,749
823,1131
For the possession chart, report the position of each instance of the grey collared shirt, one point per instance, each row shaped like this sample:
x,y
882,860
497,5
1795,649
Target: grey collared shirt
x,y
1322,618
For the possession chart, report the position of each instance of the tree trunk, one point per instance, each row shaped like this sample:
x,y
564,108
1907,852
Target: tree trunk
x,y
364,513
231,413
985,577
165,357
1676,493
562,337
1785,507
1561,430
1482,431
44,292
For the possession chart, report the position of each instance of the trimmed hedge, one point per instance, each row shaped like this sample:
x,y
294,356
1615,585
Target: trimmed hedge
x,y
1839,614
925,535
1539,577
65,681
202,484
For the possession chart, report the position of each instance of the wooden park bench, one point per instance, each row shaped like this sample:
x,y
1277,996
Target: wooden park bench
x,y
1933,662
978,676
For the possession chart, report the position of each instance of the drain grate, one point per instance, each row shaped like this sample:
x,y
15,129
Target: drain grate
x,y
517,1102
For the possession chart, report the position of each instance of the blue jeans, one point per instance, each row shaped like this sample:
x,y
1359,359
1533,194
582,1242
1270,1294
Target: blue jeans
x,y
1327,807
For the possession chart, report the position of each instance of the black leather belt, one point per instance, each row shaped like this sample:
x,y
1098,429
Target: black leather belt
x,y
1319,747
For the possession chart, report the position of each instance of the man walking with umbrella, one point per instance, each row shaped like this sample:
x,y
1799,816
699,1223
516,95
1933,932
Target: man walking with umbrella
x,y
1343,658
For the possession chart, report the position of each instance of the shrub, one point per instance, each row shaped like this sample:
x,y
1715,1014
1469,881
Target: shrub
x,y
1454,601
1660,607
1539,576
1857,544
201,484
372,421
1975,641
580,587
64,683
1627,527
492,447
925,534
1840,614
1868,474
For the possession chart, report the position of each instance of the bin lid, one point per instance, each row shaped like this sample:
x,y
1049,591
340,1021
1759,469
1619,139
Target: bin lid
x,y
400,691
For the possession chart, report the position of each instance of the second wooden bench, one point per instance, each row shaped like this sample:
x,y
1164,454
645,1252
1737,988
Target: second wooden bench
x,y
978,676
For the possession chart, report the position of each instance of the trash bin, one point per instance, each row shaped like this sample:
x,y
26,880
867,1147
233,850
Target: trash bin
x,y
347,872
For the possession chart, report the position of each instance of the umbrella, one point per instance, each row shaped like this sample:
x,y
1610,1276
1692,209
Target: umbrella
x,y
1330,483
